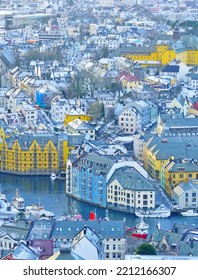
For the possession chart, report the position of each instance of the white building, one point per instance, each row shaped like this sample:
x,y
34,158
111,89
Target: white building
x,y
127,188
81,127
29,112
3,101
15,96
59,106
130,120
87,245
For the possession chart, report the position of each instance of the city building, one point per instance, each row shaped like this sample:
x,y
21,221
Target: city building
x,y
44,95
87,178
73,114
175,172
186,194
128,189
130,120
111,234
81,127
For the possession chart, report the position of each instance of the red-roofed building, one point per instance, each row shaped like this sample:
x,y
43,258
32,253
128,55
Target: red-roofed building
x,y
8,258
128,81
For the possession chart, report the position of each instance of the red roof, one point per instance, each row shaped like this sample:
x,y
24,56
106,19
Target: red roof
x,y
128,77
195,106
8,257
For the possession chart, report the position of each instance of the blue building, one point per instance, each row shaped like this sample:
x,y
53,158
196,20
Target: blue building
x,y
44,96
86,178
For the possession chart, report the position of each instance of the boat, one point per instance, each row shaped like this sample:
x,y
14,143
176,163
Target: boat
x,y
7,210
189,213
140,230
37,210
53,176
18,201
159,212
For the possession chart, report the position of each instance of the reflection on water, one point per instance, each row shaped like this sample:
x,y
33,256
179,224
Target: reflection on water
x,y
37,189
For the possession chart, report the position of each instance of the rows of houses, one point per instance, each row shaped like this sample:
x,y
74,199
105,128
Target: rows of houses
x,y
45,238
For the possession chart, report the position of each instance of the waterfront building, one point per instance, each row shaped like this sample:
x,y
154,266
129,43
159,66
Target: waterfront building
x,y
128,189
100,180
87,178
176,171
36,153
186,194
179,140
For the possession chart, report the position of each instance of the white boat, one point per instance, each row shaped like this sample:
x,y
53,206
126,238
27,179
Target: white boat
x,y
189,213
37,210
159,212
53,176
7,210
18,201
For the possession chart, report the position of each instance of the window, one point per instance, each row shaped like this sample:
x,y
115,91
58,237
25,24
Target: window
x,y
181,175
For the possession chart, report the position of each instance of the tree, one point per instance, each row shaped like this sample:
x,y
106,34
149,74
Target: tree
x,y
146,249
96,111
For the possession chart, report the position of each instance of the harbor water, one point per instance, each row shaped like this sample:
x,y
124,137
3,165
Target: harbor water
x,y
41,189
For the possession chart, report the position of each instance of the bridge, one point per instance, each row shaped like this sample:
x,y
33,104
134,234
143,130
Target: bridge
x,y
181,15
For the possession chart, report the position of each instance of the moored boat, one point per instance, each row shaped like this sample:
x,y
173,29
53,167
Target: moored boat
x,y
159,212
37,210
18,201
189,213
140,230
53,176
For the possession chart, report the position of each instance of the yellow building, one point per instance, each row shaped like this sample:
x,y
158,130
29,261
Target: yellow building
x,y
74,114
175,172
162,53
129,82
36,154
151,160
